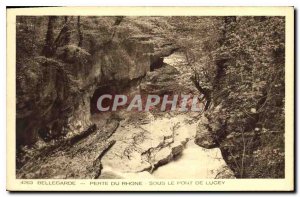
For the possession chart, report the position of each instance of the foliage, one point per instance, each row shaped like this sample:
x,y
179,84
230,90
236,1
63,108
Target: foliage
x,y
241,61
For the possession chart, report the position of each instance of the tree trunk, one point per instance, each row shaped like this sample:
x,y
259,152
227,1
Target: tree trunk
x,y
67,37
80,35
221,62
48,49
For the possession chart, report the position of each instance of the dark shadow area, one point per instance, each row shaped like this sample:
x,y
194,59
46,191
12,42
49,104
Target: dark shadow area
x,y
157,64
110,90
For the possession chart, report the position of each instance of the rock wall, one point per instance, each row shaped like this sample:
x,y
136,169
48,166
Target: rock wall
x,y
53,94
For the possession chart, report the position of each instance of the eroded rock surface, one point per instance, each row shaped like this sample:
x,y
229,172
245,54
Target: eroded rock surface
x,y
164,148
196,162
204,137
144,145
53,94
80,158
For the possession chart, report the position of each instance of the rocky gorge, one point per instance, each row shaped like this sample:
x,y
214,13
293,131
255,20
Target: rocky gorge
x,y
60,133
64,64
125,144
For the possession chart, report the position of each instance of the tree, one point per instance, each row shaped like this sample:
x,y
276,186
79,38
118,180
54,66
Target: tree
x,y
238,65
48,49
80,35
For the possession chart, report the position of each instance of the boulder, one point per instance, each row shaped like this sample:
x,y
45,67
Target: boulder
x,y
204,137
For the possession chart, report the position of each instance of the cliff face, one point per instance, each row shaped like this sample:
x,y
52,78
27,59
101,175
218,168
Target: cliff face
x,y
126,144
53,95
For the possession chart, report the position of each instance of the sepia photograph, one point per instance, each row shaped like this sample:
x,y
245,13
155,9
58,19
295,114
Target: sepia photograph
x,y
151,97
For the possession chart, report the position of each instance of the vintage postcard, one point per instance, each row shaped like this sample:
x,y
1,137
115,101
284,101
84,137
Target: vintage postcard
x,y
150,99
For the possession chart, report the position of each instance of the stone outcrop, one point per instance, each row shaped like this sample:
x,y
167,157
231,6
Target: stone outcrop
x,y
204,137
162,50
53,94
163,148
160,82
196,163
148,146
210,131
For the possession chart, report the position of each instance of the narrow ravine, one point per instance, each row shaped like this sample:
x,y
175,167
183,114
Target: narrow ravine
x,y
129,144
162,146
103,97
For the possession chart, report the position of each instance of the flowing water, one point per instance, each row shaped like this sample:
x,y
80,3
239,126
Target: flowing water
x,y
163,146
